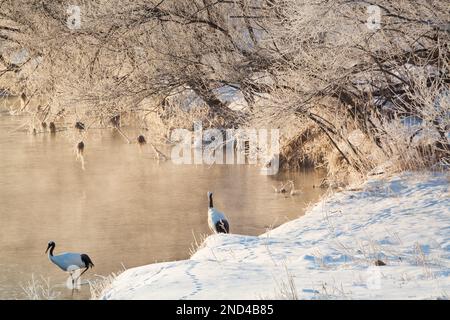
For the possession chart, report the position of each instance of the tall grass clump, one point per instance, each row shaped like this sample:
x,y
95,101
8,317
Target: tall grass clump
x,y
101,284
39,289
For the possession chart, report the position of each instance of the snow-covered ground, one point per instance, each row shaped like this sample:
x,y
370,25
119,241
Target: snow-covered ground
x,y
329,253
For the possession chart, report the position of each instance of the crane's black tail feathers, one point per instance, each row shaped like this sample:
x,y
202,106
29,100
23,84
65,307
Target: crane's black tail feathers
x,y
87,261
222,226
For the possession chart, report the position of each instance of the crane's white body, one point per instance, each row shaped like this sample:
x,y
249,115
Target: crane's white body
x,y
214,216
217,221
68,261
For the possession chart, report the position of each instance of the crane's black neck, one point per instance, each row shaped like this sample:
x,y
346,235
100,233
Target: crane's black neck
x,y
211,201
51,250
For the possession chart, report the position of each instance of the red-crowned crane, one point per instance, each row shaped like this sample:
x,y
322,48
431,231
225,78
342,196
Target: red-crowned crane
x,y
68,261
217,221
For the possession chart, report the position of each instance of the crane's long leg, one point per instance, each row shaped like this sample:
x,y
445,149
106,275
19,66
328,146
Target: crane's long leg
x,y
82,272
87,268
73,282
71,277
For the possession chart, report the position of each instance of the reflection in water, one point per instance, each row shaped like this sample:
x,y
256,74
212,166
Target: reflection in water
x,y
125,207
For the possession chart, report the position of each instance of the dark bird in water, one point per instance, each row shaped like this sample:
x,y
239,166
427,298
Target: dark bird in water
x,y
141,140
69,261
80,153
79,125
115,121
217,221
80,147
44,125
52,127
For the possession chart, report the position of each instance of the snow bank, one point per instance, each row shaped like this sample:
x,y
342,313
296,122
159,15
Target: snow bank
x,y
329,253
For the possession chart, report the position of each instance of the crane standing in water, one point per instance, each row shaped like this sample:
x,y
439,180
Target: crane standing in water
x,y
68,261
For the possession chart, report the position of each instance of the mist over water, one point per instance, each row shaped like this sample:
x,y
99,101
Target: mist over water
x,y
124,208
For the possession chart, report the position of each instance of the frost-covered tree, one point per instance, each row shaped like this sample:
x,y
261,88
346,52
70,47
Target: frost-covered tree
x,y
340,77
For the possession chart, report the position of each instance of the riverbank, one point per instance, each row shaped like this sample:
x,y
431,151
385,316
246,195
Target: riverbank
x,y
336,251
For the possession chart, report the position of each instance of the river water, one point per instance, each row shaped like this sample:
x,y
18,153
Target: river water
x,y
125,208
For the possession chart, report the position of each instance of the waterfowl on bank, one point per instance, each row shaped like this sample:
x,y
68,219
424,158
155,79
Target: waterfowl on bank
x,y
141,140
68,261
80,148
79,125
115,121
217,221
52,127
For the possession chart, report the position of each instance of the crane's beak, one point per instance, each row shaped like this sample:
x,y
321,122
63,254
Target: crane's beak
x,y
48,247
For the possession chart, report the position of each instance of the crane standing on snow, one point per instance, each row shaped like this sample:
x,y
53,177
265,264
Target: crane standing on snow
x,y
216,220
